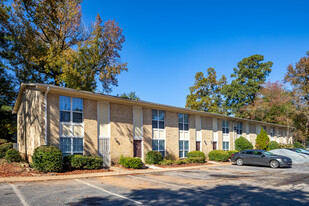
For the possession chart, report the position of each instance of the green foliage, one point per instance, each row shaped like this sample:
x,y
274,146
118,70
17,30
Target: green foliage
x,y
180,162
273,145
241,143
131,162
4,148
262,140
169,157
47,159
219,155
166,162
12,155
195,160
285,146
196,154
153,157
130,95
84,162
3,141
205,94
249,75
298,145
232,152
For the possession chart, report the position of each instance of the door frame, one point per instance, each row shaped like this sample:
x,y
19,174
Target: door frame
x,y
109,129
142,131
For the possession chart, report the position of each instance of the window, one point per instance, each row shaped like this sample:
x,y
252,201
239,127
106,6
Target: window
x,y
225,126
249,153
272,129
158,132
183,122
239,129
226,146
71,125
264,127
183,148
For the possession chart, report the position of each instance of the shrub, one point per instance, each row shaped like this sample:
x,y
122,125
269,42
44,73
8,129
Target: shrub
x,y
273,145
195,160
131,162
169,157
285,146
232,152
196,154
180,162
153,157
4,148
3,141
242,143
166,162
67,162
219,155
83,162
298,145
262,140
47,159
12,155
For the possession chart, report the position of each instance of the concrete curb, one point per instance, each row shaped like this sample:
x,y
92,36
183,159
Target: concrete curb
x,y
105,174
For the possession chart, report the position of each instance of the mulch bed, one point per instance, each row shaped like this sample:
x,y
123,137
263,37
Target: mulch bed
x,y
15,169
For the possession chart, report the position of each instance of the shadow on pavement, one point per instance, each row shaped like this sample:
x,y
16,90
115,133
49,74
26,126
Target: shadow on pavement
x,y
219,195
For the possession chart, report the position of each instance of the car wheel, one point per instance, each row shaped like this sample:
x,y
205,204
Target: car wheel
x,y
239,162
274,164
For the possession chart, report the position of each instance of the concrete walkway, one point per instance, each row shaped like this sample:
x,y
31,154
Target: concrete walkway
x,y
115,171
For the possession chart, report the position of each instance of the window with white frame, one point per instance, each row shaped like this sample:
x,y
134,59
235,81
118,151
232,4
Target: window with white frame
x,y
158,131
71,125
183,126
225,135
272,132
239,129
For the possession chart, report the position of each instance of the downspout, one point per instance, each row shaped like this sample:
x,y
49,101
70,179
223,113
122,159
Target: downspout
x,y
45,96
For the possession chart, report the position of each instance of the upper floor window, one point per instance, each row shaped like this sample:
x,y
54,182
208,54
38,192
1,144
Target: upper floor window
x,y
225,126
272,129
71,109
264,127
239,128
158,119
183,121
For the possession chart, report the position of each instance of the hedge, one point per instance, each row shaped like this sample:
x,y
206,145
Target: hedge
x,y
12,155
131,162
196,154
153,157
219,155
166,162
242,143
273,145
47,159
232,152
4,148
195,160
86,162
3,141
298,145
285,146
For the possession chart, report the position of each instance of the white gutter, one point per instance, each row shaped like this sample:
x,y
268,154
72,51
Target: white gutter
x,y
45,96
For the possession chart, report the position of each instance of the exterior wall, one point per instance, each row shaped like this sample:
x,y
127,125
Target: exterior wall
x,y
53,117
147,130
172,134
90,127
121,123
252,131
207,134
30,116
232,134
192,132
220,136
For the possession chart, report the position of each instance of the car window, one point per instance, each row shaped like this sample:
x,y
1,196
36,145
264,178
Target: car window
x,y
249,152
268,153
257,153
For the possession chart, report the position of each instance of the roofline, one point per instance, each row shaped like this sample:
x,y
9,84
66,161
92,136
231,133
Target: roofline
x,y
115,99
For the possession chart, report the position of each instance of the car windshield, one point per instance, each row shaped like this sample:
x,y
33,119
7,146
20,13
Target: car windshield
x,y
268,153
303,150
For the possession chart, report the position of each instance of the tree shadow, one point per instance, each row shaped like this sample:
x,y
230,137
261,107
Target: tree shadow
x,y
220,195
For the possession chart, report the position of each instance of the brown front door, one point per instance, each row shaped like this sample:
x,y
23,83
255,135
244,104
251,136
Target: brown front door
x,y
137,148
198,146
214,145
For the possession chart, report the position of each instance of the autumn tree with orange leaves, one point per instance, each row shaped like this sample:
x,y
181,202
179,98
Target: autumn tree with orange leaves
x,y
48,43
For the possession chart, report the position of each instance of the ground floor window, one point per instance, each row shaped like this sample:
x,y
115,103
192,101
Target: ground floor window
x,y
158,145
226,146
183,148
71,145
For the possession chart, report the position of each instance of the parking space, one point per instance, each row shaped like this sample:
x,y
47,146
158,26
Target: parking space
x,y
219,185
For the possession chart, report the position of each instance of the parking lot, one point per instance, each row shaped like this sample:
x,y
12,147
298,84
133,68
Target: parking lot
x,y
218,185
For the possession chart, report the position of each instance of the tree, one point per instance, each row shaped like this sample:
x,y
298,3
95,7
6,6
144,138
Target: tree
x,y
262,140
205,94
49,44
273,104
249,75
298,77
130,95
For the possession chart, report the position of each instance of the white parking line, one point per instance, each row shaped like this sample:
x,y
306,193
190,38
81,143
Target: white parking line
x,y
19,195
123,197
156,181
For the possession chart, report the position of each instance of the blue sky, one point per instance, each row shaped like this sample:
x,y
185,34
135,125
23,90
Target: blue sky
x,y
167,42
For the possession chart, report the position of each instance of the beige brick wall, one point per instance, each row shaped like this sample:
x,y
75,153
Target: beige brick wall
x,y
53,116
252,130
172,135
220,137
232,133
192,132
121,121
147,130
207,135
90,127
